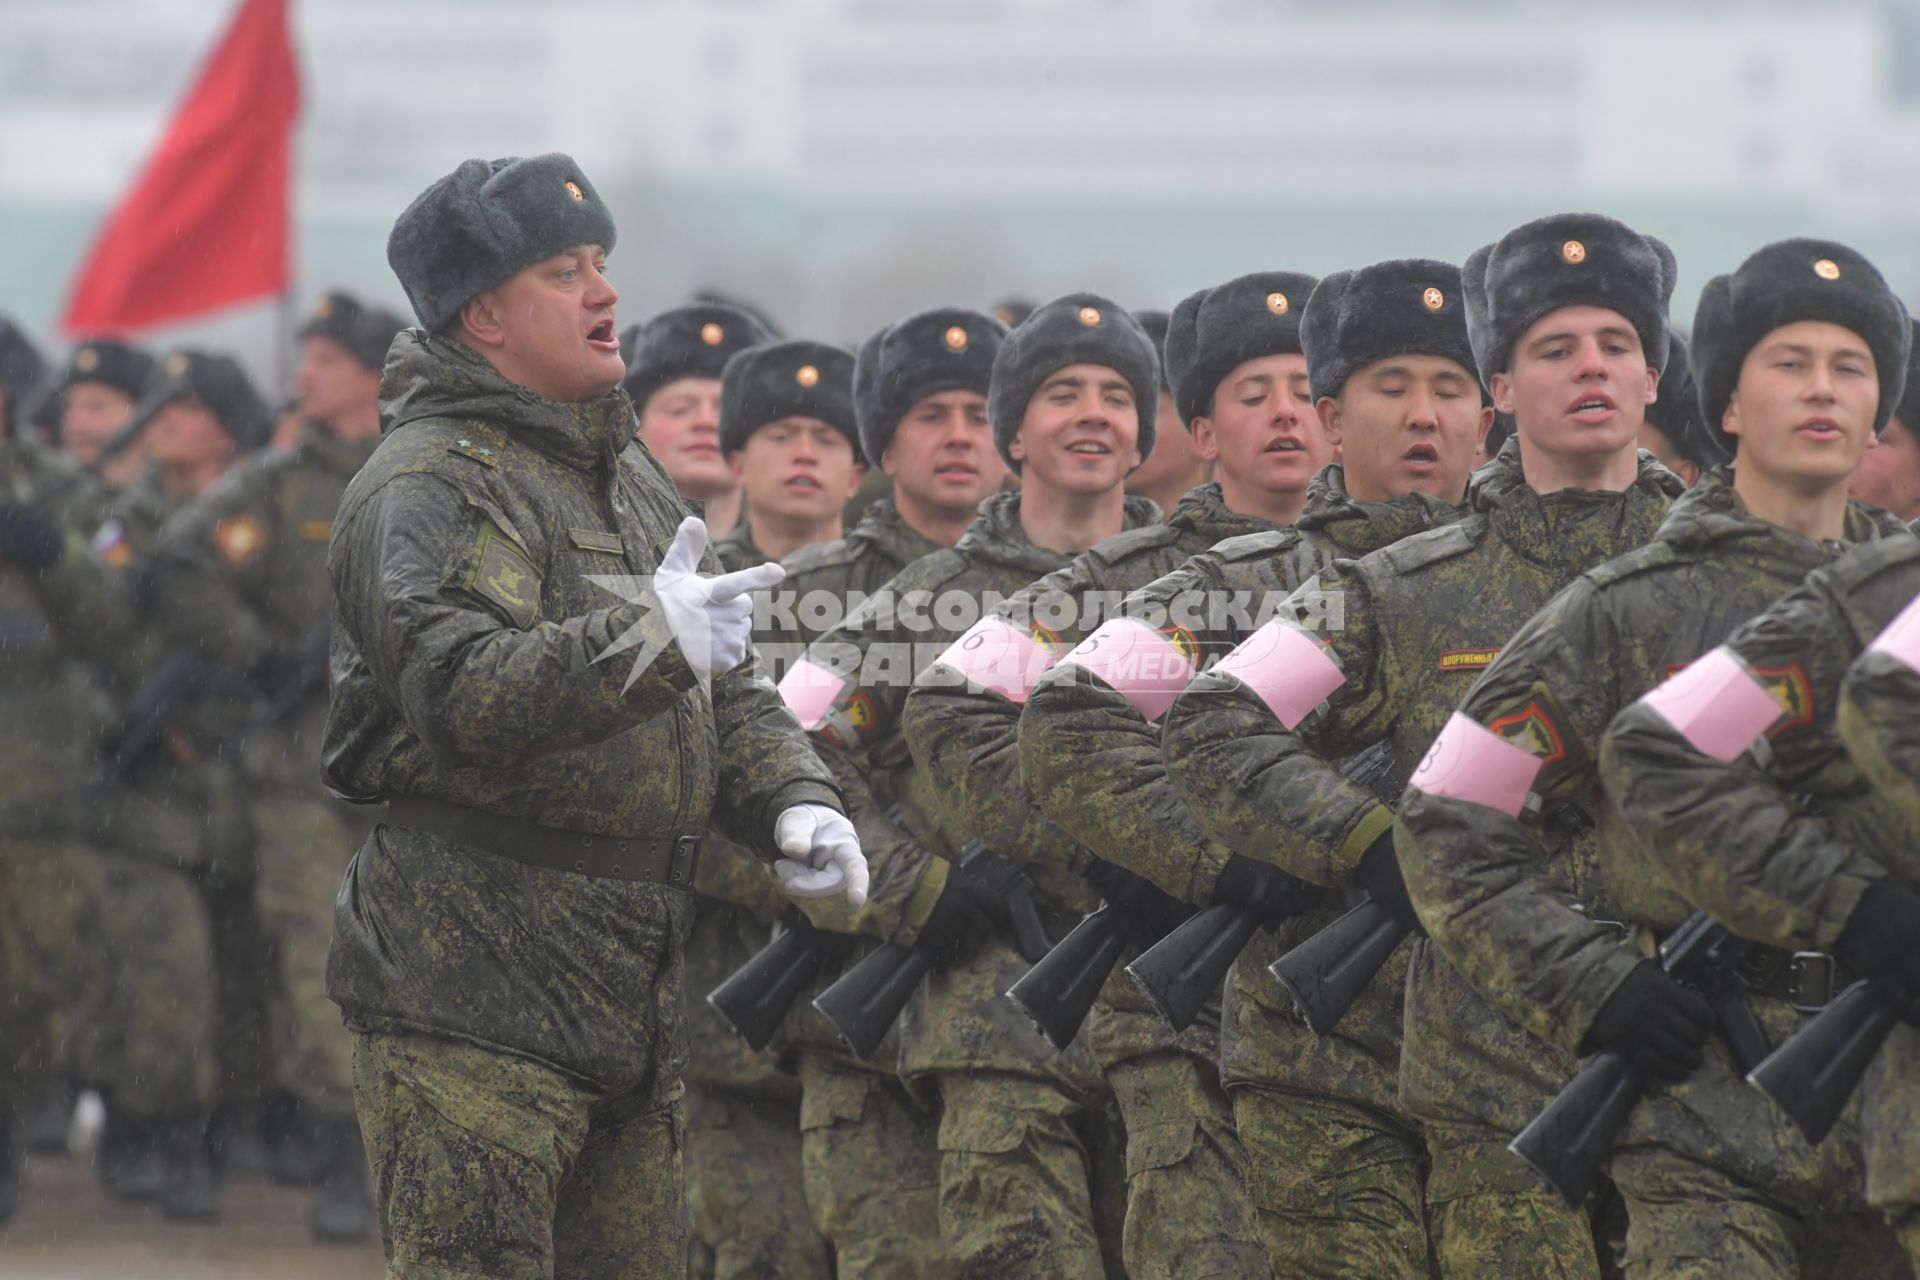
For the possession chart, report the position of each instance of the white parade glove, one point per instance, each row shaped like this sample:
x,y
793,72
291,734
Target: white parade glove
x,y
823,854
711,618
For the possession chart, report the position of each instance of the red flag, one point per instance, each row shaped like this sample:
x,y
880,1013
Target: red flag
x,y
205,225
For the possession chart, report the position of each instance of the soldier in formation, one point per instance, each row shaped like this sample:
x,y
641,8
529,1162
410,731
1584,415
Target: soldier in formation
x,y
1646,669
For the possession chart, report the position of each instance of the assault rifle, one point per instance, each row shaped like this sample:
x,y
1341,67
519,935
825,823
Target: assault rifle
x,y
1813,1074
1181,972
864,1004
1567,1143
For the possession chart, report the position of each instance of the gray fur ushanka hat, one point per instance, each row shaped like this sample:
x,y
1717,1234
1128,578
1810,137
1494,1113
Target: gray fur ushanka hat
x,y
1566,260
486,220
901,364
1786,282
1409,306
1214,331
1081,328
788,379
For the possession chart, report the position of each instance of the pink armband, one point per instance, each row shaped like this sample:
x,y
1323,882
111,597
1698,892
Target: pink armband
x,y
1286,669
1140,664
1715,705
1901,639
809,689
997,655
1470,762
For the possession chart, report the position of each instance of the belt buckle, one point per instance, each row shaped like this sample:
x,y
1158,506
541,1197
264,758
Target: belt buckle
x,y
686,856
1810,981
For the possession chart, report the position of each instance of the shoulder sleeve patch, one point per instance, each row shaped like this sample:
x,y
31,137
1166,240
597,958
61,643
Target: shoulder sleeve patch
x,y
239,538
502,574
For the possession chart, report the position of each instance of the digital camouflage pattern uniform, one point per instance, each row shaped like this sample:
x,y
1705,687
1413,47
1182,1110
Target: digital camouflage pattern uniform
x,y
1779,843
519,1031
50,730
1409,626
871,1161
1187,1207
1335,1169
1018,1189
743,1166
1879,719
242,570
1717,1181
148,1031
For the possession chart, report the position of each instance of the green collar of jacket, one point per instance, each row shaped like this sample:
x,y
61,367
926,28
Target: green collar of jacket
x,y
1203,510
1711,517
1568,529
1360,527
428,377
997,536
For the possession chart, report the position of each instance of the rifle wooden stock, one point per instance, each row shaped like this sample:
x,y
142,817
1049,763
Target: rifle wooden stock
x,y
1568,1142
865,1003
1183,970
1058,992
1326,974
755,999
1815,1072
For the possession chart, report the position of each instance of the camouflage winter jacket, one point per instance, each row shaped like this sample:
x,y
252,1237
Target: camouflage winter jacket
x,y
1408,628
1493,889
1779,842
1879,715
466,635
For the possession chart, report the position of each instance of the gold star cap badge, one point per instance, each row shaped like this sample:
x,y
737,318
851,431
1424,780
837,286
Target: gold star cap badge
x,y
806,375
1089,316
956,339
1278,304
1573,251
1433,299
711,333
86,359
177,363
1827,269
573,189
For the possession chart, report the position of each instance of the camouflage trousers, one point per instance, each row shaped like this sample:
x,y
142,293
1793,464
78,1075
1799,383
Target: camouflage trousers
x,y
306,843
487,1164
48,901
1188,1212
1340,1189
1030,1178
745,1189
1890,1135
148,1032
1490,1218
872,1171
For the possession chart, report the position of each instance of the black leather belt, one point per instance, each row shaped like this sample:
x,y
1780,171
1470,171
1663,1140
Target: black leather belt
x,y
669,860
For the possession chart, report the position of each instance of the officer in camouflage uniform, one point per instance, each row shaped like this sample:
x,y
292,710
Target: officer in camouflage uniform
x,y
1563,309
1072,403
674,362
242,570
1785,841
507,942
1241,390
1716,1180
786,410
1674,431
871,1160
1335,1168
167,813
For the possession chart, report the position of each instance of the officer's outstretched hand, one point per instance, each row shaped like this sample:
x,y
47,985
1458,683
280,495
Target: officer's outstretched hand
x,y
822,854
711,618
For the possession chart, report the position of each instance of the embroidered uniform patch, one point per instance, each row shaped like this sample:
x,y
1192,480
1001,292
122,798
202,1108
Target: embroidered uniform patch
x,y
1467,659
504,576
